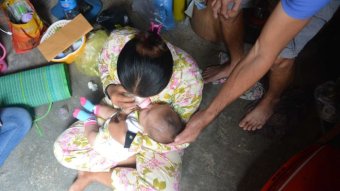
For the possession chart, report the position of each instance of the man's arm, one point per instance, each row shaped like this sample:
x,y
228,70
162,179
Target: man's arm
x,y
278,31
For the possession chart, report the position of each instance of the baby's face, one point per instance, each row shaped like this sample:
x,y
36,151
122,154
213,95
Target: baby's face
x,y
151,114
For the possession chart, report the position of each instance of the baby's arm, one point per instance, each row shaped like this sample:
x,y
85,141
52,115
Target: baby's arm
x,y
91,130
90,124
104,111
118,129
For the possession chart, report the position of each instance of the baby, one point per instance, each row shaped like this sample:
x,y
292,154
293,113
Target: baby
x,y
158,120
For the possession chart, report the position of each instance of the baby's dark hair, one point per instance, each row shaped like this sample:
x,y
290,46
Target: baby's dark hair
x,y
167,128
145,65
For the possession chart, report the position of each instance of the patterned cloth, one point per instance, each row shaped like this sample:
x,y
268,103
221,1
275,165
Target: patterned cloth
x,y
73,150
158,167
184,91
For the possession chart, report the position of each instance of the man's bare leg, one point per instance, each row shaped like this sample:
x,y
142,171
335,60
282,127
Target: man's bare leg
x,y
280,77
229,31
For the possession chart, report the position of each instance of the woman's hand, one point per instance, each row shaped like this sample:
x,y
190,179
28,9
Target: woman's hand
x,y
119,97
194,127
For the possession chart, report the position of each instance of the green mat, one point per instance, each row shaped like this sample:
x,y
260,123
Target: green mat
x,y
35,87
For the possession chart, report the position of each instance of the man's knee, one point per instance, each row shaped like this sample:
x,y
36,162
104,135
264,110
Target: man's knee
x,y
283,63
232,20
204,25
207,27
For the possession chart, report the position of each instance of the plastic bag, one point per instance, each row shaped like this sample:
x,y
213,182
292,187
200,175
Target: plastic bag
x,y
25,24
159,11
113,18
87,62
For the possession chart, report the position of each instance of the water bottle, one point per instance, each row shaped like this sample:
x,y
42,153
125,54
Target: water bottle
x,y
179,8
20,12
70,8
163,13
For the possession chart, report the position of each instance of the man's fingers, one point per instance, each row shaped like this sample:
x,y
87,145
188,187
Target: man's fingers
x,y
235,9
216,8
187,136
236,6
181,139
225,9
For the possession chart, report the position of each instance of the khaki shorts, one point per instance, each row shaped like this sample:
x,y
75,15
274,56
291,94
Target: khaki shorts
x,y
294,47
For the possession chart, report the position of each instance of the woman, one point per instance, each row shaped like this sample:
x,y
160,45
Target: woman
x,y
143,65
155,68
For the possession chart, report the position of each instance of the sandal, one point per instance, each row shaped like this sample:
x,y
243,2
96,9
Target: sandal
x,y
3,64
223,58
254,93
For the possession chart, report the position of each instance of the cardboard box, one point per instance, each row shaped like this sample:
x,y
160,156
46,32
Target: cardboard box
x,y
64,37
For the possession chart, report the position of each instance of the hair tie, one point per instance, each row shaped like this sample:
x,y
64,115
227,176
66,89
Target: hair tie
x,y
156,28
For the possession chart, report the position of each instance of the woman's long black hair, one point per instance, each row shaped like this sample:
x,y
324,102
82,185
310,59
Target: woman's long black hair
x,y
145,65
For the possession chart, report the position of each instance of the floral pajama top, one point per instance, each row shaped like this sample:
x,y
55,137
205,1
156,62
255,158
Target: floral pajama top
x,y
184,91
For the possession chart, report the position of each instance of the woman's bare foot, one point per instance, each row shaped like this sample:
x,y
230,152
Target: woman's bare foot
x,y
216,72
256,118
83,179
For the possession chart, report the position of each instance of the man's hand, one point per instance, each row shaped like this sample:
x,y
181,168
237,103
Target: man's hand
x,y
119,97
193,128
226,8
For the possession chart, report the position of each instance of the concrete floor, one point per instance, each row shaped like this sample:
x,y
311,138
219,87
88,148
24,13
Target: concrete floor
x,y
223,158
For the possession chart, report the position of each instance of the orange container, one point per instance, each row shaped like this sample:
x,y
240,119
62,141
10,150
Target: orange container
x,y
70,58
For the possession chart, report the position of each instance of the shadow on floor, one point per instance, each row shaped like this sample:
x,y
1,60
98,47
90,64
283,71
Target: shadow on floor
x,y
317,63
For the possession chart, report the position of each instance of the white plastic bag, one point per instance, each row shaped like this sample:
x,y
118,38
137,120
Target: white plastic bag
x,y
87,62
159,11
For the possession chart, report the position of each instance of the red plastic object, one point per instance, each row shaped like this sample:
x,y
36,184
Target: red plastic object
x,y
316,168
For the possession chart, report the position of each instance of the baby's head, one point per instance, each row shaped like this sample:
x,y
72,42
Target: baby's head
x,y
160,122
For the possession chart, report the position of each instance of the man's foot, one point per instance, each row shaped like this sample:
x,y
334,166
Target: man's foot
x,y
81,182
256,118
216,72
